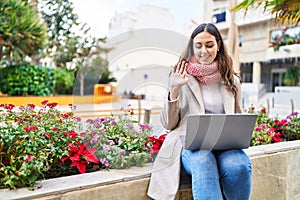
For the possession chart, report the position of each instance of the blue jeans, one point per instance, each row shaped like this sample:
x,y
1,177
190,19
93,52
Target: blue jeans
x,y
219,173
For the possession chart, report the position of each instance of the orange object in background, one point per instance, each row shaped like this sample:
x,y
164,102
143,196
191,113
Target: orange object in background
x,y
104,93
103,89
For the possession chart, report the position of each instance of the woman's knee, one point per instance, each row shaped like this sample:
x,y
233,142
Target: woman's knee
x,y
235,163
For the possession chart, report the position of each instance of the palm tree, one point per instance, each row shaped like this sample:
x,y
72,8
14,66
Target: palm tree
x,y
22,33
286,11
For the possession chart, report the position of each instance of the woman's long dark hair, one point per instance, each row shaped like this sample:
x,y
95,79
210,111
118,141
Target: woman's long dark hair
x,y
224,60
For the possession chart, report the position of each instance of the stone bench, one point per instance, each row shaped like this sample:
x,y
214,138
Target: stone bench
x,y
276,176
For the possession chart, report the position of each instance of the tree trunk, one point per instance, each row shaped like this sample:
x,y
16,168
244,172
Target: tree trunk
x,y
81,80
233,37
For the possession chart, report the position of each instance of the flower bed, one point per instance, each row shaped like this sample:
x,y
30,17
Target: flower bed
x,y
272,130
40,142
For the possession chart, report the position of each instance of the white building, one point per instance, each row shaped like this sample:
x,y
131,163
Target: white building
x,y
144,49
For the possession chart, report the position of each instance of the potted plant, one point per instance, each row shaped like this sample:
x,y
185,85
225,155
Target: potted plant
x,y
291,77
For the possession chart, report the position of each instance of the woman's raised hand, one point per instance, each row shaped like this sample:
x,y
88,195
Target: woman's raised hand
x,y
178,77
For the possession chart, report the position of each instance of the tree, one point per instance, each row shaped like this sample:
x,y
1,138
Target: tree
x,y
22,33
104,75
90,60
286,11
62,25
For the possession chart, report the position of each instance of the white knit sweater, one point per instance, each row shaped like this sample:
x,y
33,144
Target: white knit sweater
x,y
212,97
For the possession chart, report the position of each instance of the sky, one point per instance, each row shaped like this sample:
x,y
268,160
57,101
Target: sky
x,y
97,13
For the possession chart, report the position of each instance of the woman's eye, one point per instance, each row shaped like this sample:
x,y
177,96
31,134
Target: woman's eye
x,y
198,47
210,46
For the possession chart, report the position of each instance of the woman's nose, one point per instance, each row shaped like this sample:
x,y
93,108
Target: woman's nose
x,y
203,49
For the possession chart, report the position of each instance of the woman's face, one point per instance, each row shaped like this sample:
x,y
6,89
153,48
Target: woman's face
x,y
205,47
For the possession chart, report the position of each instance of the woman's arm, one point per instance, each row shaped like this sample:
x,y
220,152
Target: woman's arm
x,y
170,113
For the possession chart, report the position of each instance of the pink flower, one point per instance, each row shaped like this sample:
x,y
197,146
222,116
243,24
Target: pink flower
x,y
122,152
106,148
259,128
112,122
111,142
95,138
145,126
271,130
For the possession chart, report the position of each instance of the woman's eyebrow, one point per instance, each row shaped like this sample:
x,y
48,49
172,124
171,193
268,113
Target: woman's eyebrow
x,y
205,42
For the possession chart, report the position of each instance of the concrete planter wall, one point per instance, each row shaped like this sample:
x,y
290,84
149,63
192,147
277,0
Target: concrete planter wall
x,y
276,176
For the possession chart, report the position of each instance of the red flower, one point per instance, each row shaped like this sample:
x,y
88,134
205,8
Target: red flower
x,y
52,105
277,137
30,128
44,102
66,115
72,134
47,136
28,158
80,156
156,142
281,122
9,106
54,129
31,106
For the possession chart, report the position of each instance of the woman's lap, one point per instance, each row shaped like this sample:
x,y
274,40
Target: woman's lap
x,y
210,168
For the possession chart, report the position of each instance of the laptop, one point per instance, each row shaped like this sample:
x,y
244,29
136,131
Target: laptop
x,y
219,131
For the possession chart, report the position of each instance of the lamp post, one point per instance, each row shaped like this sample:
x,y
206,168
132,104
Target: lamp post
x,y
145,78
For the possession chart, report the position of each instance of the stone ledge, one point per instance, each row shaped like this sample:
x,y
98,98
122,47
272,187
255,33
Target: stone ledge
x,y
272,148
276,175
67,184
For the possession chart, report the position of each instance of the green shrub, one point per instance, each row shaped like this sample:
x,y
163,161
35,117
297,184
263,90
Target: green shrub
x,y
64,80
27,80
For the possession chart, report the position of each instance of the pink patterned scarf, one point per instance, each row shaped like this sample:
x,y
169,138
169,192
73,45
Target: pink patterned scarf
x,y
204,73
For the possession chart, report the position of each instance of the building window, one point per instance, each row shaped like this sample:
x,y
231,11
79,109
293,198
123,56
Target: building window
x,y
240,41
219,15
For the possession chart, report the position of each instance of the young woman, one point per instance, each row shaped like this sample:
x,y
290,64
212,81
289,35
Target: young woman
x,y
203,81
